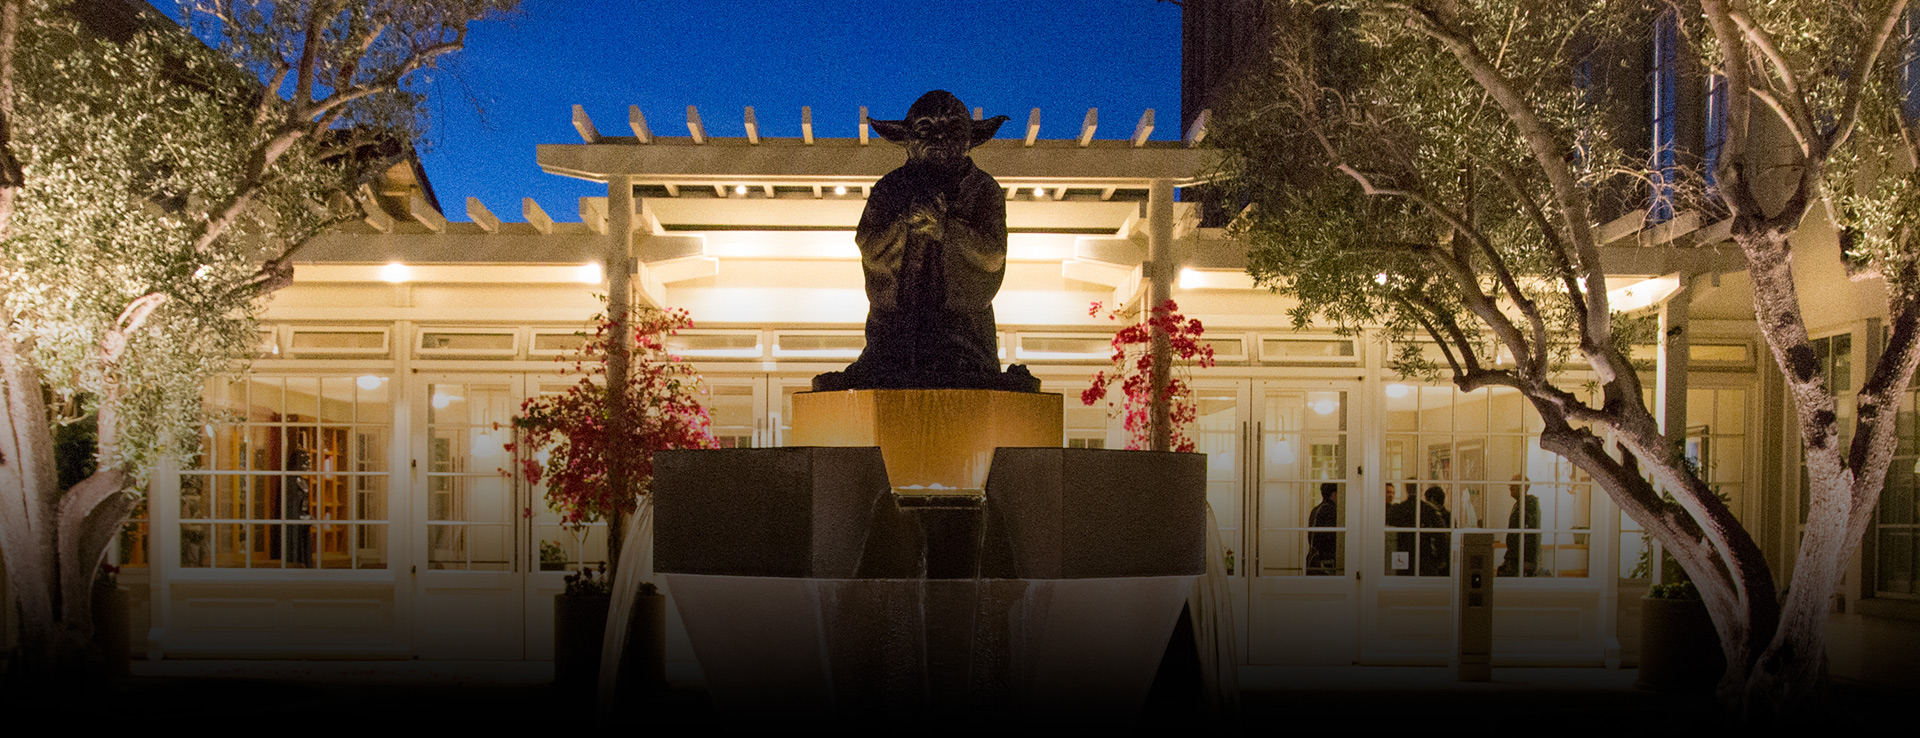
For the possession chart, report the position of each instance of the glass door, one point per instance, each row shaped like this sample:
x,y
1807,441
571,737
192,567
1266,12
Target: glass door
x,y
470,517
1304,598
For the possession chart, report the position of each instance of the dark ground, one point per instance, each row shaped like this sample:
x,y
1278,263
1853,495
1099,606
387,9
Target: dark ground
x,y
384,695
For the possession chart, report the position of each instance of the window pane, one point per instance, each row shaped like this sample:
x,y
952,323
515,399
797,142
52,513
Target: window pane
x,y
196,546
370,546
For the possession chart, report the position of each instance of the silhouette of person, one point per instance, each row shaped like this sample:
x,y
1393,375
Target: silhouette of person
x,y
1435,547
1322,559
1522,561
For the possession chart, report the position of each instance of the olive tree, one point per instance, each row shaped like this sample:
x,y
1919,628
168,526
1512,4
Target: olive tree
x,y
153,187
1438,169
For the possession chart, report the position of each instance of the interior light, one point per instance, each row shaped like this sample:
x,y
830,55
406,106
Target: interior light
x,y
484,446
1326,406
840,189
739,189
369,382
1281,451
440,401
395,272
1397,391
589,273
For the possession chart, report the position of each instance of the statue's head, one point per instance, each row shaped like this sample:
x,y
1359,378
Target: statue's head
x,y
938,128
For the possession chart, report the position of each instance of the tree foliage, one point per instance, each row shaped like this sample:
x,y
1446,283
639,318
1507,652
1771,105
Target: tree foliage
x,y
152,189
1439,170
119,142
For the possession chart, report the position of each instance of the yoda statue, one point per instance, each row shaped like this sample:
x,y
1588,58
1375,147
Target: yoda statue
x,y
933,246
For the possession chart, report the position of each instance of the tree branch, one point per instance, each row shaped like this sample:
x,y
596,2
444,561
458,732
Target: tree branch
x,y
1796,111
1569,199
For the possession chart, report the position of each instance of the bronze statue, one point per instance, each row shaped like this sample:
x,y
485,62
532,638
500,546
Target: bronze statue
x,y
933,245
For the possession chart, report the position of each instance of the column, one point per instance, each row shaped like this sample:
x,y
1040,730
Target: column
x,y
1159,273
619,351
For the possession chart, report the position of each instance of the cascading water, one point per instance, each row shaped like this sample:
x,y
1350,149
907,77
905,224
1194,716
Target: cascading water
x,y
634,568
1211,607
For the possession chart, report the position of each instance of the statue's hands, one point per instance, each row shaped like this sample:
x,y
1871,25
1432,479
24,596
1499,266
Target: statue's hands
x,y
928,218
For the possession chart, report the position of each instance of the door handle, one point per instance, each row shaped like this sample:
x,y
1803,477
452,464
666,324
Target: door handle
x,y
1255,474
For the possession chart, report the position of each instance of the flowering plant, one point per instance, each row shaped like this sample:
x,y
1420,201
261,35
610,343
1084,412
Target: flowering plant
x,y
1133,370
571,426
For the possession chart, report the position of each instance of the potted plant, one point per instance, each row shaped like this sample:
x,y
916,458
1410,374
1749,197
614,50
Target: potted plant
x,y
579,624
112,621
574,428
1679,649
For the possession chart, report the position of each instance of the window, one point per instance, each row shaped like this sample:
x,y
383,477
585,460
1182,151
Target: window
x,y
1910,65
1665,74
292,474
1715,136
1473,460
132,551
1303,495
1896,525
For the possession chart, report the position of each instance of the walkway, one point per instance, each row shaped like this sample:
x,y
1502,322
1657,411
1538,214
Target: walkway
x,y
495,694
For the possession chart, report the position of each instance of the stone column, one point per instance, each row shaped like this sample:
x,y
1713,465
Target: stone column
x,y
1159,273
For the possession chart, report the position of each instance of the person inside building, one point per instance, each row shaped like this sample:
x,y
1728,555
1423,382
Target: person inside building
x,y
1401,514
1522,559
1322,557
1434,547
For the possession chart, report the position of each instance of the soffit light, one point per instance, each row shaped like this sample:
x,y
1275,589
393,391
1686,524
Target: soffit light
x,y
396,272
589,273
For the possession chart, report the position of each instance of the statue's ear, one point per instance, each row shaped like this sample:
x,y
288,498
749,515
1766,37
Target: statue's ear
x,y
891,130
983,130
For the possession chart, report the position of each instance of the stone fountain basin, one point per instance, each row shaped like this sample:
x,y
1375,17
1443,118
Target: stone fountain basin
x,y
807,584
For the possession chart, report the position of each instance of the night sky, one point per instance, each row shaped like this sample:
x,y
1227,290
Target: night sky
x,y
514,85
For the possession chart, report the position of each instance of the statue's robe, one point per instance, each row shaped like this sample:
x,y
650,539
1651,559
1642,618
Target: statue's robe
x,y
930,291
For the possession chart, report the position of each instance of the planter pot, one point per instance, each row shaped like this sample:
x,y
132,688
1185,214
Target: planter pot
x,y
579,626
1679,650
111,629
643,666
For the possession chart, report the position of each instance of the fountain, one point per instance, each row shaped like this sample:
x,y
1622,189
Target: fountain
x,y
927,546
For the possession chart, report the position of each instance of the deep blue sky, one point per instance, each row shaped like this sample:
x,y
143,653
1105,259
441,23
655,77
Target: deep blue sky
x,y
514,85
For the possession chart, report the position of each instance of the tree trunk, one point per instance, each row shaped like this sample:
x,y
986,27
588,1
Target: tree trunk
x,y
1788,676
27,511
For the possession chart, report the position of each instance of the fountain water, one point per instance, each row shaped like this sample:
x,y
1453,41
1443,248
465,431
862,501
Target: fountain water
x,y
634,569
807,584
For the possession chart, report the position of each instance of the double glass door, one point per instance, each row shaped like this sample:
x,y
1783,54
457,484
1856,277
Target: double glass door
x,y
1282,479
488,554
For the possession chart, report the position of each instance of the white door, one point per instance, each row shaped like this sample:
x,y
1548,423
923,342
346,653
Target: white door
x,y
1270,447
1304,556
471,530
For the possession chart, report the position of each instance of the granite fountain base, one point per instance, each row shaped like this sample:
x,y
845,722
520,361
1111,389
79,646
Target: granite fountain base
x,y
809,586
